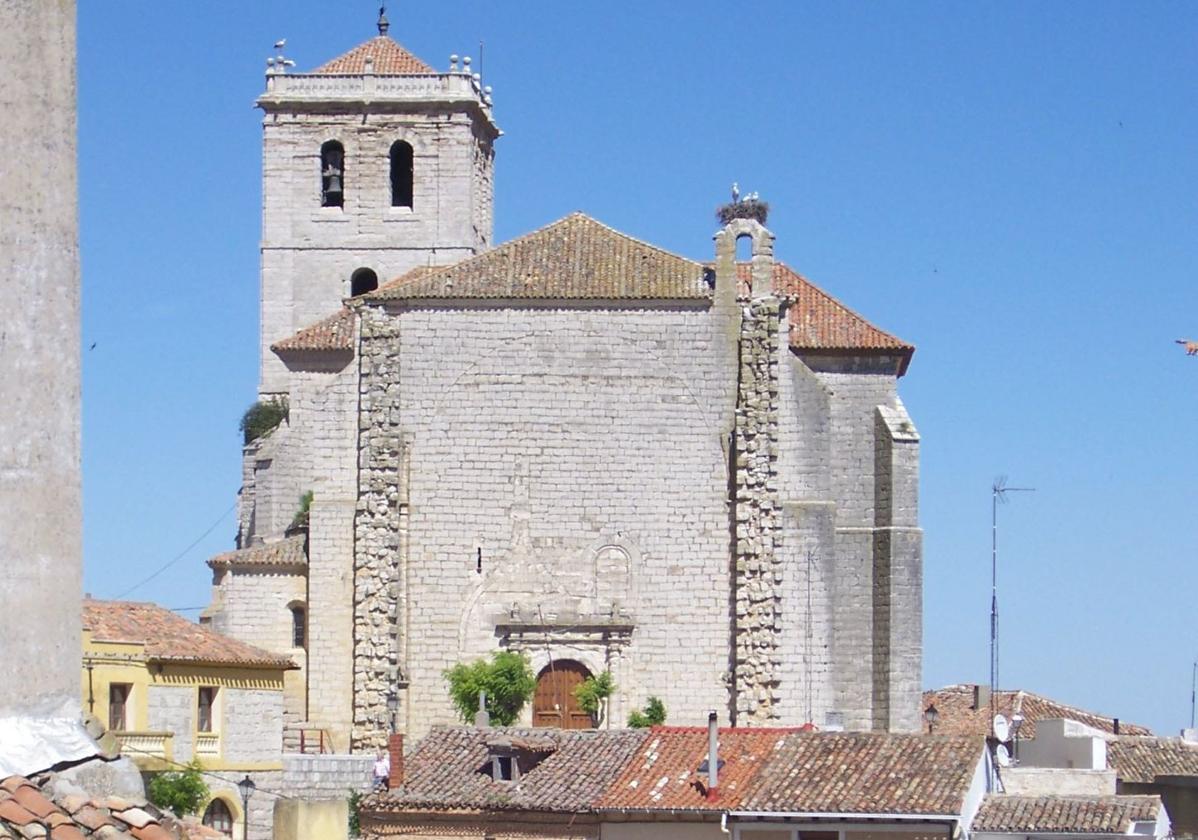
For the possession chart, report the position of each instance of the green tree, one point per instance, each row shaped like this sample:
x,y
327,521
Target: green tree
x,y
507,679
592,691
181,792
654,714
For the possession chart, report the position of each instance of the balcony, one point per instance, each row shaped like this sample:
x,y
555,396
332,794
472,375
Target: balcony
x,y
145,747
207,745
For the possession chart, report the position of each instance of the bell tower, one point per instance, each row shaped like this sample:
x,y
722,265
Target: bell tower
x,y
372,164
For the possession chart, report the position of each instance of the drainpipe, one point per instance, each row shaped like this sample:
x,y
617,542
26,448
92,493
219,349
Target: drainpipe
x,y
713,756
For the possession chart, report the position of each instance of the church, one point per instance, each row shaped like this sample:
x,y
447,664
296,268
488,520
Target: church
x,y
696,474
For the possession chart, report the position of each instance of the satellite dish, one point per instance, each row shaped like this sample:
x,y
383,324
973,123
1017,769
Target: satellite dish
x,y
1002,729
1002,756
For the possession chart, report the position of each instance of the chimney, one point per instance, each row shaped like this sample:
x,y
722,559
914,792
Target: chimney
x,y
395,750
481,719
981,697
1116,726
713,756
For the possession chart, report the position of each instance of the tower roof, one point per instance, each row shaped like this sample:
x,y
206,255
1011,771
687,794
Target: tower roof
x,y
388,58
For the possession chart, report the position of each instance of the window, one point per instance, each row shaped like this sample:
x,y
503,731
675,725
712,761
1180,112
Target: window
x,y
298,626
118,704
206,719
218,816
402,174
332,174
362,281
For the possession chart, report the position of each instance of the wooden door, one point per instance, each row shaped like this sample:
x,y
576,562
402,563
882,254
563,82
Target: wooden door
x,y
554,703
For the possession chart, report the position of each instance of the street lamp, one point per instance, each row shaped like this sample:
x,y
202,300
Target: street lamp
x,y
247,787
931,715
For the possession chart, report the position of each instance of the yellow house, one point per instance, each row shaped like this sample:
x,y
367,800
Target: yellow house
x,y
171,690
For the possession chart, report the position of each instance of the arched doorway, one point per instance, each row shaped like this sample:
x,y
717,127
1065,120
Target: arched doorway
x,y
219,817
554,703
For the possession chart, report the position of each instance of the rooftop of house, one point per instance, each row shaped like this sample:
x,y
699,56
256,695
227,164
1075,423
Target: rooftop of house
x,y
387,58
45,807
1142,759
1065,814
562,770
289,551
959,713
659,769
168,637
579,258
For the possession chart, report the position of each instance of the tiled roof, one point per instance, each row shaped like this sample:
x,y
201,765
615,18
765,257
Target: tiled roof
x,y
445,771
389,59
575,258
957,716
289,551
819,321
663,772
867,773
1065,814
333,333
27,811
1141,759
169,637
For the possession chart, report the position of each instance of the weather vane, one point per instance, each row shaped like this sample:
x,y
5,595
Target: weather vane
x,y
384,24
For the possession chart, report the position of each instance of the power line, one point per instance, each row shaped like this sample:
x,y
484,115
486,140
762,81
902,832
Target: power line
x,y
181,554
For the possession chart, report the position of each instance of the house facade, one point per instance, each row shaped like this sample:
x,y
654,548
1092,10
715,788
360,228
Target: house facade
x,y
173,692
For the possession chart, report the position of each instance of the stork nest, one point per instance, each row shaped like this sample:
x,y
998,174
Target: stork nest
x,y
749,208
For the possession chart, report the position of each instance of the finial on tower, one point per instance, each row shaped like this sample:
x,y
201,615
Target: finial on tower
x,y
384,24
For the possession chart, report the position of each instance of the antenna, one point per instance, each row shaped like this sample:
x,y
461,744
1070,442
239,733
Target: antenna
x,y
1193,690
998,493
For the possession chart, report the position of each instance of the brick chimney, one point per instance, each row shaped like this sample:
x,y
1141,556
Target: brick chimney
x,y
395,749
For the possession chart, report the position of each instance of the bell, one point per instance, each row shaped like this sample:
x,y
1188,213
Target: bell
x,y
334,187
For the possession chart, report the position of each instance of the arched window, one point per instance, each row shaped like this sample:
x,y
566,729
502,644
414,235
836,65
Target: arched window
x,y
332,174
402,174
299,626
219,817
362,281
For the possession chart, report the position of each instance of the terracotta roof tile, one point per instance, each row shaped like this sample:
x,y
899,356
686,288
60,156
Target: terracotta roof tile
x,y
11,812
446,770
70,832
575,258
867,773
1140,759
335,334
388,57
1065,814
289,551
664,771
954,704
168,637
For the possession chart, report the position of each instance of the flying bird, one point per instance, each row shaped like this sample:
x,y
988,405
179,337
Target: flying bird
x,y
1190,346
279,44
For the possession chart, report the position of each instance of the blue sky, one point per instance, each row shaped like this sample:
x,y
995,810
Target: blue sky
x,y
1010,186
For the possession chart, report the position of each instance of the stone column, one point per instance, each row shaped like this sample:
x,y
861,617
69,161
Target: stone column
x,y
40,508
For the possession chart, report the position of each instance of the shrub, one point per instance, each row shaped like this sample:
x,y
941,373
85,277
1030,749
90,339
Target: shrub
x,y
300,520
592,691
262,417
654,714
355,802
507,678
180,792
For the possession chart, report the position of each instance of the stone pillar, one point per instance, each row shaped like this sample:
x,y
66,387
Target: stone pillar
x,y
40,506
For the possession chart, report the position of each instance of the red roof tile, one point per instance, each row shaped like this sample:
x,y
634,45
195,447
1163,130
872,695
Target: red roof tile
x,y
335,333
1141,759
954,704
1065,814
289,551
388,57
169,637
663,773
867,773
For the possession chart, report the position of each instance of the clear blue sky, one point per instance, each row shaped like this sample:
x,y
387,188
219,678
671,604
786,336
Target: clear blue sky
x,y
1011,186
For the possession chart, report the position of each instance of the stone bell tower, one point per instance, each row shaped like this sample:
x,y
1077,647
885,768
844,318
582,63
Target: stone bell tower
x,y
372,164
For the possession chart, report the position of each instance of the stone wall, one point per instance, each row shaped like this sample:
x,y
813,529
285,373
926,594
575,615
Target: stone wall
x,y
537,440
173,709
261,804
252,725
327,776
309,251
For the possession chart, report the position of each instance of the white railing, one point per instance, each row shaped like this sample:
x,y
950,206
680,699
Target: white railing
x,y
145,744
207,744
438,87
